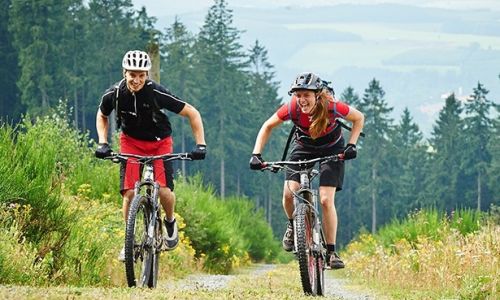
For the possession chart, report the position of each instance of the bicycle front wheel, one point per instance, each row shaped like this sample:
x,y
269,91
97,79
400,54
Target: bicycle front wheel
x,y
138,251
320,265
155,259
307,261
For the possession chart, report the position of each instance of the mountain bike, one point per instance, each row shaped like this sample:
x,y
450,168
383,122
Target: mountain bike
x,y
309,239
143,232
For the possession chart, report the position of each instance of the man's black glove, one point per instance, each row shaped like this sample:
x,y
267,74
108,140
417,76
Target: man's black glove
x,y
256,162
350,151
103,150
199,152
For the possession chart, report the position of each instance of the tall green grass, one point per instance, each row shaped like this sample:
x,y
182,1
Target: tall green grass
x,y
55,237
226,234
429,223
60,214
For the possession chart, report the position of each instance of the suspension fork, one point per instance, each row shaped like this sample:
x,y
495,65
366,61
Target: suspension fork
x,y
153,194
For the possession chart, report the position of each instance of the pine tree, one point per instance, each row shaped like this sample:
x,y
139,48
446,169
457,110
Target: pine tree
x,y
220,62
10,107
493,171
378,129
114,28
442,184
348,204
478,132
262,101
179,77
410,165
40,30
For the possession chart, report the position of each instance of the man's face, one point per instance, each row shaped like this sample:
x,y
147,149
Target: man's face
x,y
135,80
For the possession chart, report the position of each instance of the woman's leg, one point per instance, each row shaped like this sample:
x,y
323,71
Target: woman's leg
x,y
330,221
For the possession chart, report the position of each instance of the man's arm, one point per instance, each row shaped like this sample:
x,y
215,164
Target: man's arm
x,y
102,126
196,123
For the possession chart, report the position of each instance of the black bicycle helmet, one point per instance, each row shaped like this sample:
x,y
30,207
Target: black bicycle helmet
x,y
306,81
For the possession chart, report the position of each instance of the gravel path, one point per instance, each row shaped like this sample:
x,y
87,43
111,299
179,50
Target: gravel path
x,y
335,288
338,288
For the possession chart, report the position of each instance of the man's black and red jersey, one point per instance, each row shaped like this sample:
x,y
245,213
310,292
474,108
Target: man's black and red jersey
x,y
139,113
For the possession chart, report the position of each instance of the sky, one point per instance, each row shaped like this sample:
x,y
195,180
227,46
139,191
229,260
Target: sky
x,y
379,49
160,8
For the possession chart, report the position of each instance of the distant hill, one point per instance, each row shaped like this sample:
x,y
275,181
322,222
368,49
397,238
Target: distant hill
x,y
418,54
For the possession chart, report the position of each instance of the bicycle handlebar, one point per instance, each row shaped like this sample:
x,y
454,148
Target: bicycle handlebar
x,y
278,165
119,157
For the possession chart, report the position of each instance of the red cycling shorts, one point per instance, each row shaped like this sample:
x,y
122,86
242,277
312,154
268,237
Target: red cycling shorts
x,y
130,171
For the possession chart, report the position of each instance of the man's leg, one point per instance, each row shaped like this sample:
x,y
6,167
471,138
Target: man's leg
x,y
170,232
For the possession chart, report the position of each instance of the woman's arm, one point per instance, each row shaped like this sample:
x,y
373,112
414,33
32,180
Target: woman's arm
x,y
265,133
358,120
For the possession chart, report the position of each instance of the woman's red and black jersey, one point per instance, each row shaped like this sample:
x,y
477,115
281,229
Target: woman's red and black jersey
x,y
330,136
140,114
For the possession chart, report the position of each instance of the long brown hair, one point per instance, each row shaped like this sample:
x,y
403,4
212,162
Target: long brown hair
x,y
320,116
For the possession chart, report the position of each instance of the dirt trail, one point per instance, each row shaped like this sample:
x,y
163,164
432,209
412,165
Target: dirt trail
x,y
335,288
260,281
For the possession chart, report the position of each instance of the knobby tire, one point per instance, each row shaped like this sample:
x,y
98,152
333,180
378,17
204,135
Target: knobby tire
x,y
307,262
320,266
156,258
138,257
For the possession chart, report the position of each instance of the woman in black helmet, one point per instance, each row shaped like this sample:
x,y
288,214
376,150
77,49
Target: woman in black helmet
x,y
314,109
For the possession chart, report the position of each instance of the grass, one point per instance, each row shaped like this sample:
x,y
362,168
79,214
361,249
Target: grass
x,y
60,214
427,257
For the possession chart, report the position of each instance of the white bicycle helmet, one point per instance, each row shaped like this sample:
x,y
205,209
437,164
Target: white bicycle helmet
x,y
136,60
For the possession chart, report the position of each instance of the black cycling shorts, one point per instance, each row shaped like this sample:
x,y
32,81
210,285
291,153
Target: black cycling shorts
x,y
331,172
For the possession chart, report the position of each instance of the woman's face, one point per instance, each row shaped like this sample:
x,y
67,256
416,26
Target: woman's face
x,y
306,100
135,80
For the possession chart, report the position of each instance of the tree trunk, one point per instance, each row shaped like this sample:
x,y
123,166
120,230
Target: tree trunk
x,y
374,200
479,191
222,181
45,103
75,108
82,111
154,53
222,165
238,185
183,147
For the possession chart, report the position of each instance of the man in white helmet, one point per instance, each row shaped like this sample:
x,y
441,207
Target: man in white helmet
x,y
146,130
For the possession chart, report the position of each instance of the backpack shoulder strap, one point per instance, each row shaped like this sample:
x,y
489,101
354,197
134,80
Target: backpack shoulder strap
x,y
293,113
293,110
285,151
116,94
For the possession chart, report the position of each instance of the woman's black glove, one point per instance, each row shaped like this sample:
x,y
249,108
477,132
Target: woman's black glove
x,y
199,152
350,151
103,150
256,162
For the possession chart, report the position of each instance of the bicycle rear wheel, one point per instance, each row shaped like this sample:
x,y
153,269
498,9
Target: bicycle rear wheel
x,y
138,251
305,255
